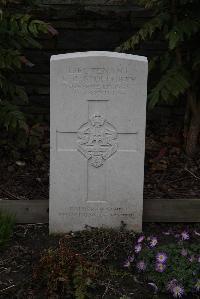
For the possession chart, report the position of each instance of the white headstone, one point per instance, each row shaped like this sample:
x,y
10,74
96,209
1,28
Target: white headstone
x,y
98,115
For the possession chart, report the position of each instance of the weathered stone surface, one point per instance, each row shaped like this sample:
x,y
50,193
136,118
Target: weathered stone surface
x,y
98,108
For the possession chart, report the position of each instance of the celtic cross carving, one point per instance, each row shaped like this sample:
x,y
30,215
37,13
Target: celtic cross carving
x,y
97,140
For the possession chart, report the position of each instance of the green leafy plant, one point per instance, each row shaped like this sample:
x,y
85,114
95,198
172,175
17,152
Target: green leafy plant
x,y
6,225
18,31
177,25
64,271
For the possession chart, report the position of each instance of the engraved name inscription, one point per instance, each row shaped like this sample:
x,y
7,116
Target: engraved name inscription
x,y
97,140
99,80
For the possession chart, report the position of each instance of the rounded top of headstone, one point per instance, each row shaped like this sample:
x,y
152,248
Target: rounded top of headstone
x,y
99,54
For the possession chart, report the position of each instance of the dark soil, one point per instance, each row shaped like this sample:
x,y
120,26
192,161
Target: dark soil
x,y
20,256
23,252
168,172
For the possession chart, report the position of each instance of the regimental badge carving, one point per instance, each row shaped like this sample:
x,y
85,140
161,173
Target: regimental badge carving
x,y
97,140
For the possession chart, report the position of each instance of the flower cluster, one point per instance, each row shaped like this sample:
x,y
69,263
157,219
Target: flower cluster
x,y
161,259
175,289
171,266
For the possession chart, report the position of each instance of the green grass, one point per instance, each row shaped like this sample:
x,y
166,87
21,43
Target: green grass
x,y
6,226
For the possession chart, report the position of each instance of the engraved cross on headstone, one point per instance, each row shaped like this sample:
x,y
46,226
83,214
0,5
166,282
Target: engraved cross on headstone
x,y
97,140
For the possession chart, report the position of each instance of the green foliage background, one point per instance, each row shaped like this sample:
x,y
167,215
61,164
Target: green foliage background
x,y
177,69
18,31
177,23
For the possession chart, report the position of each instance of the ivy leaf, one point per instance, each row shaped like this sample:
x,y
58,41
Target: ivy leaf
x,y
11,117
145,32
172,84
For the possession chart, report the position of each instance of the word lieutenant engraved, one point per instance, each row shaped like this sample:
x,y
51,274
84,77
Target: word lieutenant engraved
x,y
97,140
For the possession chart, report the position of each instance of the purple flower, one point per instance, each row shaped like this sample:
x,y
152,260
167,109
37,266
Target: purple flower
x,y
141,265
191,258
138,248
153,242
184,252
171,284
161,257
198,259
197,285
160,267
185,235
141,239
177,291
131,258
128,262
